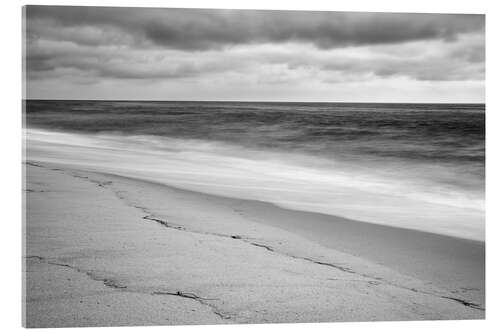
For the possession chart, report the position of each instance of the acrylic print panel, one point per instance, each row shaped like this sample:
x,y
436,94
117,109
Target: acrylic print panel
x,y
203,166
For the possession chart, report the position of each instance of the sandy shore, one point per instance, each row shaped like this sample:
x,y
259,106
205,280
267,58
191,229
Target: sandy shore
x,y
105,250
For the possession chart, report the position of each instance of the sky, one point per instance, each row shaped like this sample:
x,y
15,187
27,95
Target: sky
x,y
250,55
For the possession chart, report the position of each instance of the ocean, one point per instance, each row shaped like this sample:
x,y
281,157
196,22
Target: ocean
x,y
417,166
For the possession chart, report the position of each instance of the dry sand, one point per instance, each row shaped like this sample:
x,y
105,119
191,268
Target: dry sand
x,y
104,250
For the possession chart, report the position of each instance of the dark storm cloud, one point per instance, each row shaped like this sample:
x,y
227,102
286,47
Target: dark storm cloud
x,y
463,60
50,59
202,29
99,51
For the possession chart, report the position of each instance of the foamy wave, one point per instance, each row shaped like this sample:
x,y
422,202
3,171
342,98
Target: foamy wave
x,y
369,193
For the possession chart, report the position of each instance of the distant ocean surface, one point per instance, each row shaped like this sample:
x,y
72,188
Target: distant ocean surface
x,y
418,166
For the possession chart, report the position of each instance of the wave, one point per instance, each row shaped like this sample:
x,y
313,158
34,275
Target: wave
x,y
422,197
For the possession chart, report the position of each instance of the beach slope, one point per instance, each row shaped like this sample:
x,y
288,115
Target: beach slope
x,y
103,250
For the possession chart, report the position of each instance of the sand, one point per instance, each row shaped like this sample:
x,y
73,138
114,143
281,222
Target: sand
x,y
103,250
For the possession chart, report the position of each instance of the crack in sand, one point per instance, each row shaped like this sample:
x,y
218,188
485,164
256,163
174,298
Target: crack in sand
x,y
115,284
342,268
163,222
29,190
197,298
108,282
267,247
376,281
34,164
466,303
249,241
270,249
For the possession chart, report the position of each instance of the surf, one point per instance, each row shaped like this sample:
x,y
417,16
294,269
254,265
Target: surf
x,y
291,180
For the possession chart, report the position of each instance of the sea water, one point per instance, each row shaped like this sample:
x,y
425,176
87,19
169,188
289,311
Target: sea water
x,y
418,166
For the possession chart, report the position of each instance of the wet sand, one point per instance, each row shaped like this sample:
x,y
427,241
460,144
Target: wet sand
x,y
453,263
106,250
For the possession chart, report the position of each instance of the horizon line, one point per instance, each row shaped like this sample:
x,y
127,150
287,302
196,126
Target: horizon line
x,y
236,101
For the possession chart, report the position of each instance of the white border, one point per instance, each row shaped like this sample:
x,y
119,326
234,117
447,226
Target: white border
x,y
10,200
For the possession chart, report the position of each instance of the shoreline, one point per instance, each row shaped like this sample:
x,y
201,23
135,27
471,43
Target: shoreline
x,y
408,251
227,171
239,232
273,205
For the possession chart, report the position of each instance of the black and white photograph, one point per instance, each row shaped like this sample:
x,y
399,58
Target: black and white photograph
x,y
187,166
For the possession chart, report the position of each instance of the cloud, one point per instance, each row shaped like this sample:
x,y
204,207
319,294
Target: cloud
x,y
52,58
236,52
462,59
202,29
422,61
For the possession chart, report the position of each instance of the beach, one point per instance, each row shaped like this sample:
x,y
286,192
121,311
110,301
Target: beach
x,y
107,250
152,213
198,166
